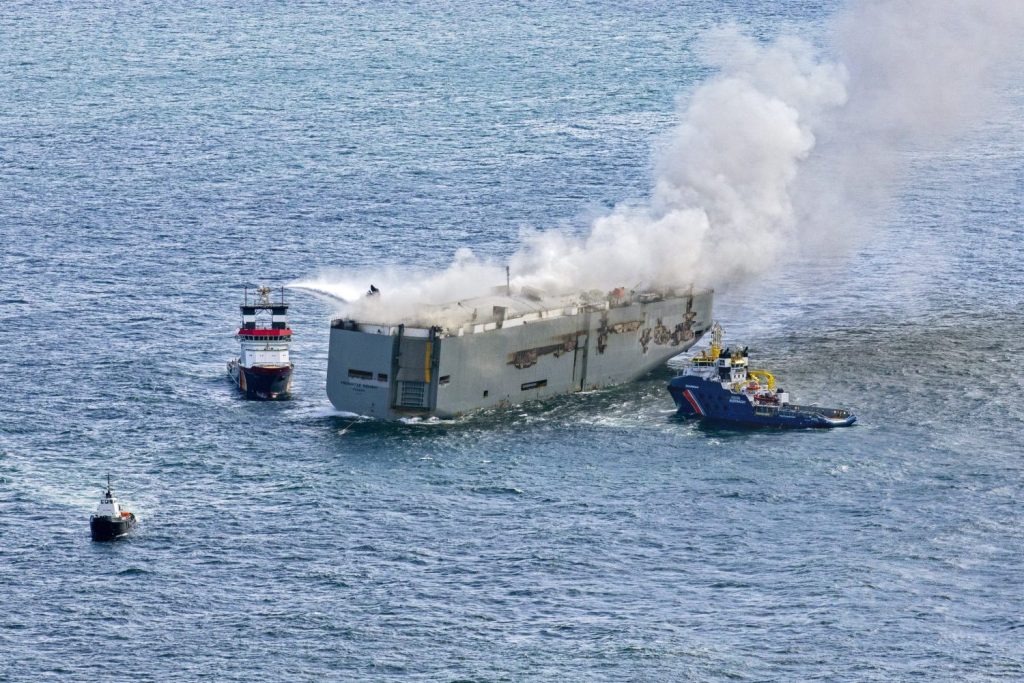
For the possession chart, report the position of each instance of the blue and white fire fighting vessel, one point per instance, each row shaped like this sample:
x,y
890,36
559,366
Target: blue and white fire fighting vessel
x,y
263,370
719,385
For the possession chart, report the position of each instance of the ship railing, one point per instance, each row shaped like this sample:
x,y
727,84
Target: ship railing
x,y
818,410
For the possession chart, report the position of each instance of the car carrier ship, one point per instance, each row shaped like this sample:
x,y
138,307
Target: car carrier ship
x,y
507,348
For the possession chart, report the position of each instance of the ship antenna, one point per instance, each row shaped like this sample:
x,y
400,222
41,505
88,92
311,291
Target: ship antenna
x,y
716,340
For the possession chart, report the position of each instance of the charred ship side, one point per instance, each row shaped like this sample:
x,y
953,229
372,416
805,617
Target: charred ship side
x,y
263,370
508,348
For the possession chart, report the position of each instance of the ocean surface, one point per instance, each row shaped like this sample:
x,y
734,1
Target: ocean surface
x,y
156,157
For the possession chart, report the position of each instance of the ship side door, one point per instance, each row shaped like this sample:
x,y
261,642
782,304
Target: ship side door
x,y
415,360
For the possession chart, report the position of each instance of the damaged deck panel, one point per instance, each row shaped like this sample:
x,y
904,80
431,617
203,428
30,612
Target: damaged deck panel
x,y
503,350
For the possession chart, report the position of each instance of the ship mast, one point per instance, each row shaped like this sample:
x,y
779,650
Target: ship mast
x,y
716,340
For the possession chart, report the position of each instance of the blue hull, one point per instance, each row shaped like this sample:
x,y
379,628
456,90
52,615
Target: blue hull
x,y
711,401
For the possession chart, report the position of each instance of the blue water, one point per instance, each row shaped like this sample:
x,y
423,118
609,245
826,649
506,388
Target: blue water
x,y
156,157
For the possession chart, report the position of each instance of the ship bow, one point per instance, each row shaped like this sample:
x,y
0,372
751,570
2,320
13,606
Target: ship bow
x,y
267,382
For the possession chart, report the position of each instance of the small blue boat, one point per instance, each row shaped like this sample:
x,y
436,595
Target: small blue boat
x,y
719,385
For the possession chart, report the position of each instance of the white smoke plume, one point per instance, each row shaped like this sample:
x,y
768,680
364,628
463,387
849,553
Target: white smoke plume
x,y
920,73
781,147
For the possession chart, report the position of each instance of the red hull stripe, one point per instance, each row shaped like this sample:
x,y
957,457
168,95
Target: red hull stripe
x,y
265,333
693,402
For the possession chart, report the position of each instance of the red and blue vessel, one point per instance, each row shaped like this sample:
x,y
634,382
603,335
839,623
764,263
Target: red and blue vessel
x,y
720,385
263,369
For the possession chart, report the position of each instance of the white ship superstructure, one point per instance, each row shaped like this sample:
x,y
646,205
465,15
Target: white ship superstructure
x,y
263,368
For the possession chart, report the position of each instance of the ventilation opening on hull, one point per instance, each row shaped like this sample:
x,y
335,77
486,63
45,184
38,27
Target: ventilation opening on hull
x,y
534,385
360,374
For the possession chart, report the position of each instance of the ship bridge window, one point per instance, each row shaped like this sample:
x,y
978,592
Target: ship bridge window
x,y
360,374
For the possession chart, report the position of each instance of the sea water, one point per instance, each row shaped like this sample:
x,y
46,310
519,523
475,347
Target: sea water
x,y
157,157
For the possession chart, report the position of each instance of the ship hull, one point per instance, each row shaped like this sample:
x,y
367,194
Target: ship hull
x,y
697,397
392,372
262,383
109,529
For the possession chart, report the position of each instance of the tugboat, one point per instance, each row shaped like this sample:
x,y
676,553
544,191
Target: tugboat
x,y
263,370
110,522
719,385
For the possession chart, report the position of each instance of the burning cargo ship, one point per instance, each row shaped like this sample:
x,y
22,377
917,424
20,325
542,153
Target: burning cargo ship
x,y
507,348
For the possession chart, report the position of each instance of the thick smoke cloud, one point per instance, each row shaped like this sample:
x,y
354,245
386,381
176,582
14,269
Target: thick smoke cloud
x,y
920,73
781,147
